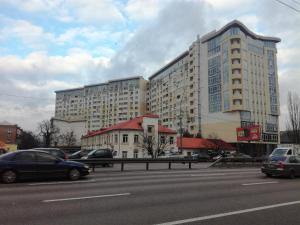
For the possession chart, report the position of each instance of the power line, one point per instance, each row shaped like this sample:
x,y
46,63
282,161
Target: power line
x,y
296,2
289,6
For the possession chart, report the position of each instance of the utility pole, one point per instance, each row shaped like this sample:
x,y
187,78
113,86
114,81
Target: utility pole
x,y
180,125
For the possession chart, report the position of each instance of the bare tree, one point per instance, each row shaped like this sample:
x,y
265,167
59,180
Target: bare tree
x,y
68,138
28,140
154,147
47,131
293,122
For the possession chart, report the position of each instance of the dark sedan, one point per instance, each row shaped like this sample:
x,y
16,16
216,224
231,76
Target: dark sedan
x,y
79,154
38,164
287,166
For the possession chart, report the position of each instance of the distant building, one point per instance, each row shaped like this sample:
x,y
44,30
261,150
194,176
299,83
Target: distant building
x,y
127,138
9,134
99,105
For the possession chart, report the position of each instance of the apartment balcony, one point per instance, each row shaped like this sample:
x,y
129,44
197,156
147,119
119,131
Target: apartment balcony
x,y
237,107
235,45
236,76
237,86
237,97
236,56
236,66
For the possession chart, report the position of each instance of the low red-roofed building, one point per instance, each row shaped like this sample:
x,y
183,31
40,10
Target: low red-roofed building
x,y
194,145
127,139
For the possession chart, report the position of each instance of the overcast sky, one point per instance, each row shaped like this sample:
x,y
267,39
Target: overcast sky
x,y
48,45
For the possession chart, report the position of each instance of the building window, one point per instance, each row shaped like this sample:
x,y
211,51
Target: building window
x,y
150,129
171,140
125,138
136,138
135,154
116,139
162,139
124,154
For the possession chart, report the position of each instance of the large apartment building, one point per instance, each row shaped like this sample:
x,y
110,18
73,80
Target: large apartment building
x,y
225,85
100,105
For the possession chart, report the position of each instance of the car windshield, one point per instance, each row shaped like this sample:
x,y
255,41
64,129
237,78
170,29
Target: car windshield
x,y
76,153
92,152
279,152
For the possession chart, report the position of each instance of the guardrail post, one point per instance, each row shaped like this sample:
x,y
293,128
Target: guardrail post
x,y
170,165
147,165
122,166
190,165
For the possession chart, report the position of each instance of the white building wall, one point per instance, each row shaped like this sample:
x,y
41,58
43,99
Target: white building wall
x,y
78,127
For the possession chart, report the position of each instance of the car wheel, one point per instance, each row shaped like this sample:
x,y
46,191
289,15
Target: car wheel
x,y
9,177
268,175
74,174
292,174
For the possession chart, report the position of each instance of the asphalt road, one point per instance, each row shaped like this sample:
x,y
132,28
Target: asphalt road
x,y
159,196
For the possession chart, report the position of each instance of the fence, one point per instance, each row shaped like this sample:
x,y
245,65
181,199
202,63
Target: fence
x,y
238,162
96,162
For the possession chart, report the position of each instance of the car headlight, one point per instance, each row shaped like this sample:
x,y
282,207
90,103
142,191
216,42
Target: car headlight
x,y
86,166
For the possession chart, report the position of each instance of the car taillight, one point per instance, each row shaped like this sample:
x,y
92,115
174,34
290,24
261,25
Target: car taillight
x,y
66,157
281,165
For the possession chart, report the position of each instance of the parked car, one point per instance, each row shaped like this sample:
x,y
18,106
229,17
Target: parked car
x,y
100,154
201,157
55,152
239,155
26,164
282,165
79,154
2,151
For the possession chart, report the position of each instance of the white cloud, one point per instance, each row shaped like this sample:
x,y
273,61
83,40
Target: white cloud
x,y
88,11
95,12
30,82
167,36
31,35
143,9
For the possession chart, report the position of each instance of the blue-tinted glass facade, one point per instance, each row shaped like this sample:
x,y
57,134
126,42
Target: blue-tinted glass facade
x,y
272,82
214,84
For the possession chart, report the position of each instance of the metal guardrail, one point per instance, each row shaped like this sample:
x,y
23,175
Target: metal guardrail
x,y
95,162
256,161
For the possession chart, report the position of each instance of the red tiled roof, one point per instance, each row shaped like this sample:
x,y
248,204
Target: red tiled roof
x,y
195,143
133,124
222,145
165,130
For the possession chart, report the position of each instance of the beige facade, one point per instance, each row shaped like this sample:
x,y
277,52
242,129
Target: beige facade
x,y
102,105
239,74
226,79
173,91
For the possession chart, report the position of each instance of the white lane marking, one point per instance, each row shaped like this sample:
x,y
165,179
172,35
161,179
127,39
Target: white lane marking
x,y
87,197
220,174
260,183
196,219
62,182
